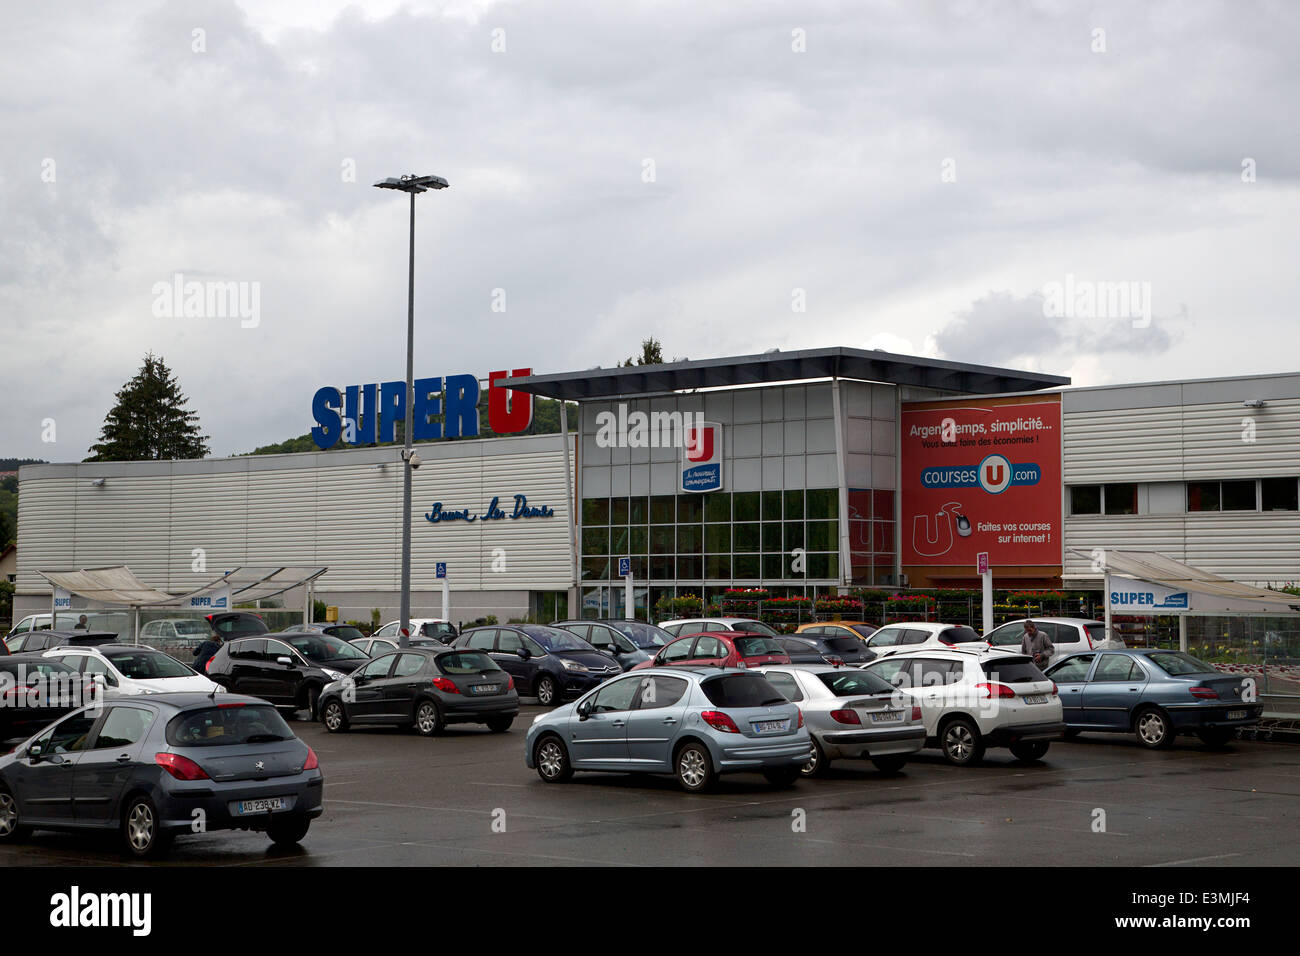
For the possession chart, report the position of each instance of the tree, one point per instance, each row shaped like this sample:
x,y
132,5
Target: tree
x,y
150,421
652,353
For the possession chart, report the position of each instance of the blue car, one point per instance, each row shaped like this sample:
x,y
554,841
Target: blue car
x,y
548,663
628,642
692,722
1154,694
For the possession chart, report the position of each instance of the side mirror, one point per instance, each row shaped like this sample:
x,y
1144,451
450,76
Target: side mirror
x,y
34,752
584,710
523,653
286,661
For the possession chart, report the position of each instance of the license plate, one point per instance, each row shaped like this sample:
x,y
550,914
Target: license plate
x,y
485,688
261,806
1236,715
887,717
1036,699
771,726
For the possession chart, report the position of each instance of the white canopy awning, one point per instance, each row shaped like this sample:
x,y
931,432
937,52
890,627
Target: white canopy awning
x,y
1207,592
120,587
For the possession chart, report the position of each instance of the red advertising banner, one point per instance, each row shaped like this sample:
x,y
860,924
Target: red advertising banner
x,y
981,476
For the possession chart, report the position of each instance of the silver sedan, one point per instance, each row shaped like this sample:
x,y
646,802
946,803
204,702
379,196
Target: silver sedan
x,y
850,714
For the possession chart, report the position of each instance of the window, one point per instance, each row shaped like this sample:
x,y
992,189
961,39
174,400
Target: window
x,y
408,665
754,627
709,647
757,646
223,726
853,683
931,672
1114,667
1238,495
1203,496
1014,670
961,634
914,635
741,690
1121,499
1074,670
1085,500
147,665
891,671
248,650
616,696
123,727
1178,664
388,630
1278,494
886,637
661,692
786,684
466,662
378,667
67,736
678,650
483,640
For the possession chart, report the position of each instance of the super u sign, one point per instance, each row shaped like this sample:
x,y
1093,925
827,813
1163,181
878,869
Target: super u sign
x,y
444,408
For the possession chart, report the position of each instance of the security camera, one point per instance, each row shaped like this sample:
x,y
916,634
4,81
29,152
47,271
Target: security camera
x,y
414,460
1254,403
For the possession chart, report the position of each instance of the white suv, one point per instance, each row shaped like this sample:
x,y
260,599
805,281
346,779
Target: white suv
x,y
130,669
702,625
910,635
973,698
1070,634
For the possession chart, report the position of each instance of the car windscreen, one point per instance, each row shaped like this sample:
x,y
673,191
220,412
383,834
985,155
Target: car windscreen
x,y
227,724
1007,637
1013,670
961,634
191,628
557,639
756,646
323,647
147,665
741,690
754,627
644,636
866,630
466,662
347,633
1176,663
854,683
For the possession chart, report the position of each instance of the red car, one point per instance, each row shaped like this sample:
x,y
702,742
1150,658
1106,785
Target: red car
x,y
719,649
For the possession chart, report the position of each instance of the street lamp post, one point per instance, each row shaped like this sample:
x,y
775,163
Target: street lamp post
x,y
413,186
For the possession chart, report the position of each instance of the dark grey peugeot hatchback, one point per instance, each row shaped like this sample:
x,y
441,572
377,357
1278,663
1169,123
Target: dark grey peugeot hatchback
x,y
158,766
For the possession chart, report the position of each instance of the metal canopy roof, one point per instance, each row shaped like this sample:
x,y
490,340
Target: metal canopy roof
x,y
864,364
119,585
1210,591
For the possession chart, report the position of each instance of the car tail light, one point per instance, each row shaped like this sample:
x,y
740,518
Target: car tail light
x,y
800,712
229,706
719,721
445,685
1055,690
182,768
916,711
510,683
995,690
834,661
846,717
312,763
1205,693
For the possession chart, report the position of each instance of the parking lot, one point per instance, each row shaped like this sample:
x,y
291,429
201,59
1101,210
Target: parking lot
x,y
465,798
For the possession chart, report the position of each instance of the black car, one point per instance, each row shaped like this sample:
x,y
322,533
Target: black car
x,y
287,669
805,648
37,641
148,767
35,691
546,662
229,625
426,688
628,642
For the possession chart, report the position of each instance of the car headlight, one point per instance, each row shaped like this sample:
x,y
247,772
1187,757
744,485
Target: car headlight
x,y
573,666
538,717
332,675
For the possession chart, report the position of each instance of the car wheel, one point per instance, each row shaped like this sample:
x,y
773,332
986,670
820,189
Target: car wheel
x,y
694,766
1029,750
11,827
547,693
140,829
428,719
499,725
816,766
891,764
334,717
552,760
286,831
781,777
961,742
1153,728
1217,736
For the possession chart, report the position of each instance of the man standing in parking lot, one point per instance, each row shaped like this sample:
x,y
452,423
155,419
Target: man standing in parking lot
x,y
1037,644
206,651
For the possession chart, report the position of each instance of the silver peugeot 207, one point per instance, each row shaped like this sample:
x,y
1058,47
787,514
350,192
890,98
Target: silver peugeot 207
x,y
692,722
851,714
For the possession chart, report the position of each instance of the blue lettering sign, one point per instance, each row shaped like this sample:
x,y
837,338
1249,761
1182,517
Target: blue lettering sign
x,y
493,512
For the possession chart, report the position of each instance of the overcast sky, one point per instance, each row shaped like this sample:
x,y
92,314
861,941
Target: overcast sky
x,y
920,177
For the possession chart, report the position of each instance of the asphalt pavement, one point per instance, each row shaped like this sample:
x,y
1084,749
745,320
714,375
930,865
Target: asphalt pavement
x,y
465,798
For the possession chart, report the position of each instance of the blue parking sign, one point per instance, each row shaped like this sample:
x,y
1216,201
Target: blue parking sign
x,y
440,569
624,567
